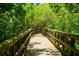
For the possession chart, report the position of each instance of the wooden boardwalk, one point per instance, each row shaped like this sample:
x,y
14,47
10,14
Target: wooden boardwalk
x,y
27,44
39,45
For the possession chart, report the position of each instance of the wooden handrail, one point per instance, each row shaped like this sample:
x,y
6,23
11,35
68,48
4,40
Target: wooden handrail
x,y
23,45
68,46
10,42
63,33
64,39
50,39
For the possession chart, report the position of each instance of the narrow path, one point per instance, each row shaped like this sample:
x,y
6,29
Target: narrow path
x,y
39,45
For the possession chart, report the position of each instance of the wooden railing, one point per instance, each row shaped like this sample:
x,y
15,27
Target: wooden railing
x,y
63,42
16,45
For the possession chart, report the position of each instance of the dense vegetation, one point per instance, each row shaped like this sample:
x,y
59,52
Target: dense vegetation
x,y
16,18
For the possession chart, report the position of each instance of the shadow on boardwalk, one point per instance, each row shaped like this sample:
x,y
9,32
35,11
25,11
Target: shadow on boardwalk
x,y
40,46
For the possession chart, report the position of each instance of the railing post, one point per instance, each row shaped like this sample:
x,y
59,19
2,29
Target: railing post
x,y
12,49
72,44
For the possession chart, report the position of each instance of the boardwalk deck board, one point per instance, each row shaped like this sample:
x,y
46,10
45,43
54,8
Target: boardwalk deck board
x,y
39,45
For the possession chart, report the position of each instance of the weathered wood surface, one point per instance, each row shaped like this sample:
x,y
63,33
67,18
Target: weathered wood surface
x,y
10,43
39,45
65,40
24,45
76,37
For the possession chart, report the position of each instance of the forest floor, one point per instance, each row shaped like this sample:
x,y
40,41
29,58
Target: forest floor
x,y
39,45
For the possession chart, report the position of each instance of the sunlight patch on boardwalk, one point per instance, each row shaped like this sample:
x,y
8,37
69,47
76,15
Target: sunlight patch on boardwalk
x,y
39,45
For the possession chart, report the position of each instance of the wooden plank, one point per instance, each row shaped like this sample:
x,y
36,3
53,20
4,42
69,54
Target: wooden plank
x,y
76,37
8,43
66,45
60,50
23,45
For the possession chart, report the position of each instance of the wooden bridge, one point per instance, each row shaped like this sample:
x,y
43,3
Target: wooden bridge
x,y
17,46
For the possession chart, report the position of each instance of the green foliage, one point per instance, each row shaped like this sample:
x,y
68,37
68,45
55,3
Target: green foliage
x,y
16,18
65,17
11,20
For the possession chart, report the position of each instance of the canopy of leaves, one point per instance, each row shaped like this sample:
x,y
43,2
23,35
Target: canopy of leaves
x,y
16,18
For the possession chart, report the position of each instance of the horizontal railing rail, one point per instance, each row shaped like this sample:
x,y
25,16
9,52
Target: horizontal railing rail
x,y
63,33
63,41
11,46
